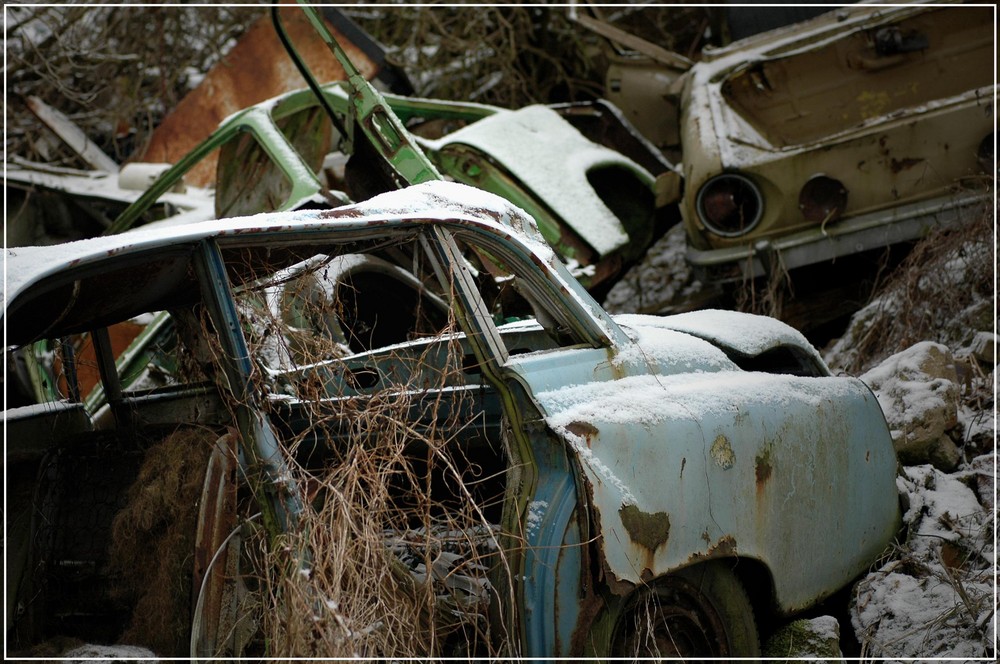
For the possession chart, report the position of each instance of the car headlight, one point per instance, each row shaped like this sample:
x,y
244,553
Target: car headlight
x,y
730,205
822,199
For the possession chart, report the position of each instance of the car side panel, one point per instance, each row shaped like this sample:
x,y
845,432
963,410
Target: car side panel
x,y
798,473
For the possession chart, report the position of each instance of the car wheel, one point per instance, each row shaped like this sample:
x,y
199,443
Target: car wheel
x,y
701,611
227,609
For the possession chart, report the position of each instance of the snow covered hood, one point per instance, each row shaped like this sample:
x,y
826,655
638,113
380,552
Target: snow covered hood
x,y
738,334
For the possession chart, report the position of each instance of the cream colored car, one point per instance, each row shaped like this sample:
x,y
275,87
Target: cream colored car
x,y
861,128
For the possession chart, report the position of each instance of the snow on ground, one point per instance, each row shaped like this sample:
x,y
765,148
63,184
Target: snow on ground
x,y
934,598
933,595
95,653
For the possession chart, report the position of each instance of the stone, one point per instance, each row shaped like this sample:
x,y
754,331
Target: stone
x,y
919,392
984,348
809,638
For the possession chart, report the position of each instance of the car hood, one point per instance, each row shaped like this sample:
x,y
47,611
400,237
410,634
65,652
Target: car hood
x,y
738,335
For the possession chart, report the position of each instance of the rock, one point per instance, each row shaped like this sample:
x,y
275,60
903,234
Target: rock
x,y
984,481
984,348
662,281
919,392
815,638
943,453
95,653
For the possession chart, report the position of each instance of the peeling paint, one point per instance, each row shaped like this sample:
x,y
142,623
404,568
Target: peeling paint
x,y
724,548
722,452
649,530
584,430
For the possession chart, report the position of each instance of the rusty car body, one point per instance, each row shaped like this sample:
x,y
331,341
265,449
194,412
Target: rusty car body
x,y
861,128
685,460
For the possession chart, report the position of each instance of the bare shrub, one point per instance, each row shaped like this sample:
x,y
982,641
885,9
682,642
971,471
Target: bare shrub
x,y
941,292
114,70
514,56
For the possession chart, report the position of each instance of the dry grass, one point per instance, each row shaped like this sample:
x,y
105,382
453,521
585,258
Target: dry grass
x,y
938,293
153,541
396,552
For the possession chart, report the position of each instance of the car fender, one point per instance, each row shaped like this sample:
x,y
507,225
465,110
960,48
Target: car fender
x,y
798,473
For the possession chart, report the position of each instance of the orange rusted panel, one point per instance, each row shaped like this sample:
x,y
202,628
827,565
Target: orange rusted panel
x,y
257,68
87,373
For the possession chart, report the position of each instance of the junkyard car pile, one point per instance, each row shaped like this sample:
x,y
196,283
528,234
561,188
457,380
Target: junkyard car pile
x,y
623,486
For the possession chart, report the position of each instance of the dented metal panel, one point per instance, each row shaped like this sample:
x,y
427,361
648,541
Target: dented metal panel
x,y
727,463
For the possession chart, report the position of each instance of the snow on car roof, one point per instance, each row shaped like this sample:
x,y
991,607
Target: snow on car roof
x,y
433,200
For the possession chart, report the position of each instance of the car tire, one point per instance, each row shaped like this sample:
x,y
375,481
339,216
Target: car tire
x,y
700,611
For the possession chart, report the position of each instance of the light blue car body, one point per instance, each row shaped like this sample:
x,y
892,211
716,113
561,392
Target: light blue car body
x,y
645,446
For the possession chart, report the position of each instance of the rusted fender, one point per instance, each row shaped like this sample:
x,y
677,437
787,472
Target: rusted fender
x,y
705,460
257,68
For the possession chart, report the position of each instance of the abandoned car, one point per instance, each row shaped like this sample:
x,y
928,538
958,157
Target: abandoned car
x,y
859,129
537,477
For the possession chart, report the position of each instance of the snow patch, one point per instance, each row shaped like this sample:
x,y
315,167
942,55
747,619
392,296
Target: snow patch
x,y
936,598
96,653
536,513
552,158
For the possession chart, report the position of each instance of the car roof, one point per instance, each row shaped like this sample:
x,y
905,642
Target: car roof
x,y
72,287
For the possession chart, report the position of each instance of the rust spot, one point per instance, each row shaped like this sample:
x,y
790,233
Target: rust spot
x,y
602,571
246,76
897,165
762,468
584,430
724,548
341,213
722,452
648,530
617,585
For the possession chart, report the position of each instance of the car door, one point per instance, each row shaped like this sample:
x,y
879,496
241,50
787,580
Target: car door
x,y
544,512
